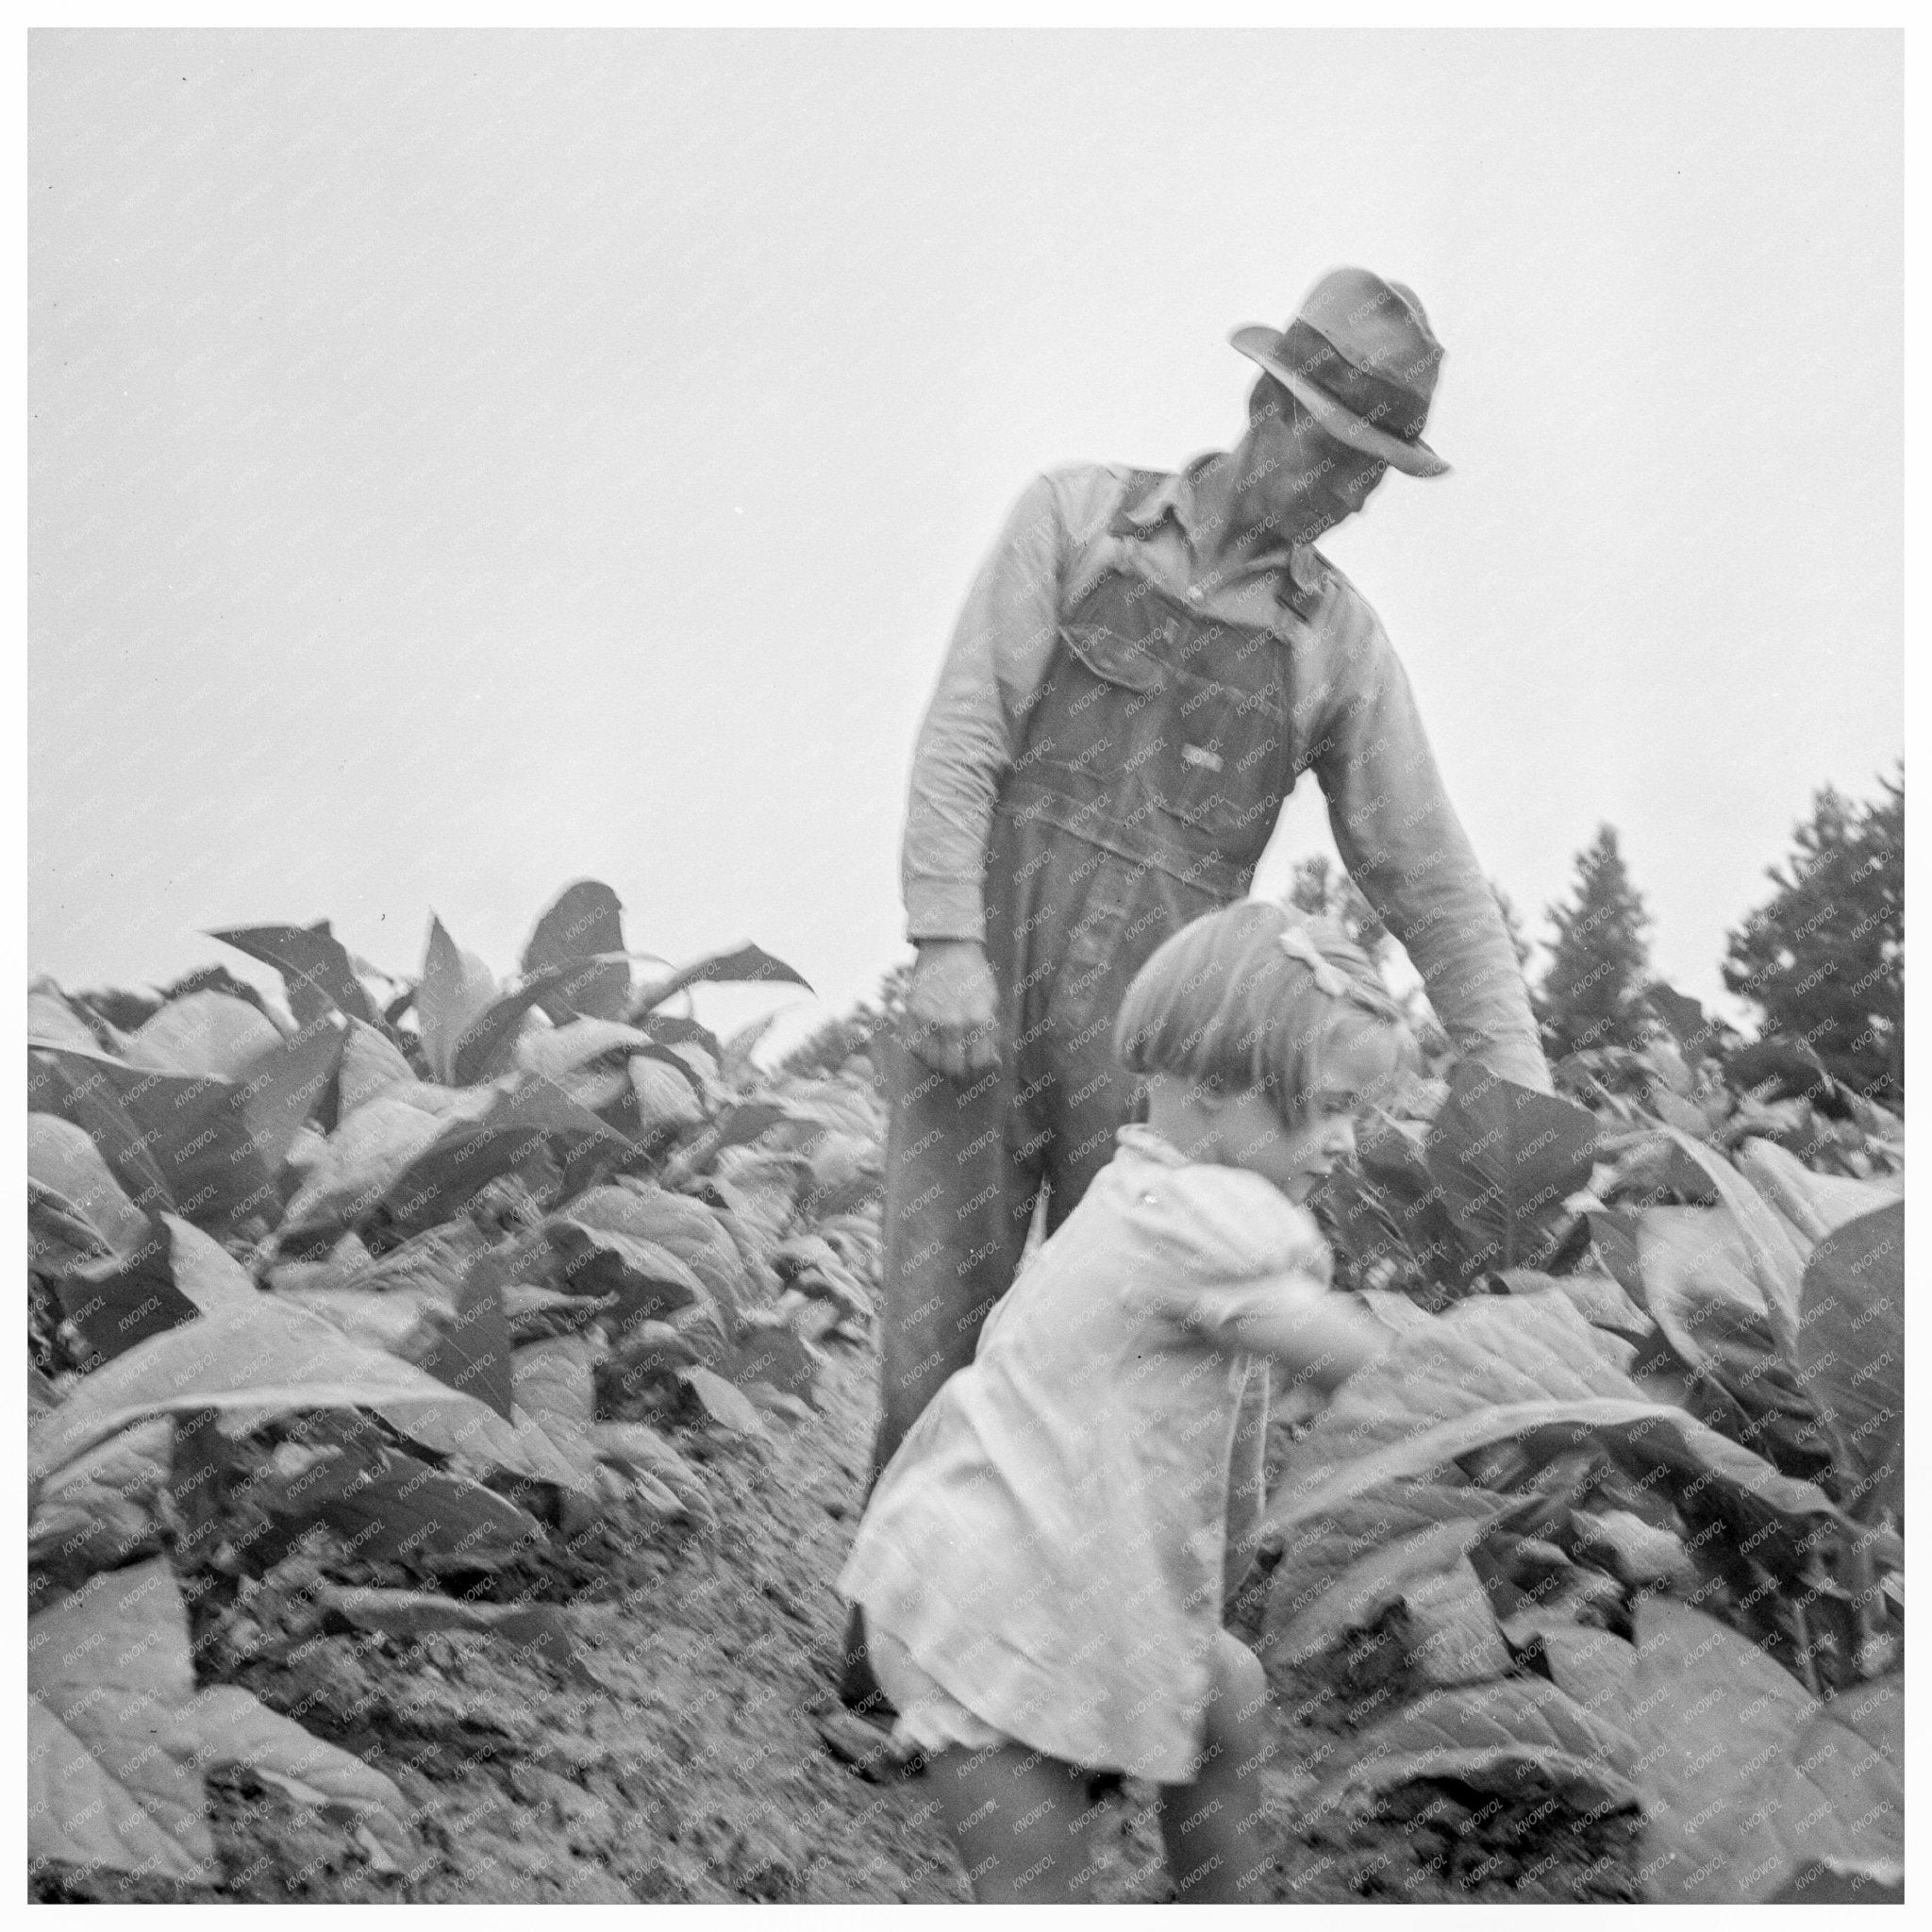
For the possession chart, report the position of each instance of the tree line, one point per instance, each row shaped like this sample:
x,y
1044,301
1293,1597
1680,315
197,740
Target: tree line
x,y
1821,959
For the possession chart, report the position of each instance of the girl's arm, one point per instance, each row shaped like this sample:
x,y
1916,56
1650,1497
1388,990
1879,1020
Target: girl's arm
x,y
1316,1333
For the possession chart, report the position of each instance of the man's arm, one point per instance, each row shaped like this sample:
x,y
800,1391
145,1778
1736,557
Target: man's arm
x,y
1403,845
997,659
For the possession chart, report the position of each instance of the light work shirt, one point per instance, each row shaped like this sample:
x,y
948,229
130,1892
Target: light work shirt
x,y
1356,726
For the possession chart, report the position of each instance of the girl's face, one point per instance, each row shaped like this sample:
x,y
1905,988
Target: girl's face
x,y
1250,1133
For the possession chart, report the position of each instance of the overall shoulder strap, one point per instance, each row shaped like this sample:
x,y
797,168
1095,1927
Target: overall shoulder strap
x,y
1141,484
1104,549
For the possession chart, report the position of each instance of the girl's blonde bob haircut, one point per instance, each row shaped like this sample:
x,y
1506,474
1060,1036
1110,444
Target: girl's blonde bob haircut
x,y
1225,1004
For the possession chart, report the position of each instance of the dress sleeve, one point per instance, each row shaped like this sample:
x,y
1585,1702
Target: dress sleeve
x,y
1212,1233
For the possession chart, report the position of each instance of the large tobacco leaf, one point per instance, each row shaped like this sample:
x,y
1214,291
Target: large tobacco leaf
x,y
370,1149
555,1387
1747,1776
51,1016
1743,1777
666,1096
1493,1737
315,968
1698,1282
205,1270
283,1088
579,1051
1394,1162
264,1360
1478,1356
1851,1350
1319,1555
214,1146
120,1300
690,1229
1506,1158
393,1508
483,1049
671,1029
63,1159
409,1322
1308,1616
1501,1368
118,1739
101,1510
722,1403
584,922
456,990
372,1064
1774,1251
206,1032
473,1350
60,1238
481,1436
1695,1036
1874,1712
1814,1204
175,1274
649,1280
638,1450
1644,1433
80,1813
739,1129
743,963
79,1084
769,1351
525,1131
1598,1296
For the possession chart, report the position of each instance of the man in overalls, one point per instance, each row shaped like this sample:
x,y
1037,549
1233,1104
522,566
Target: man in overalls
x,y
1144,667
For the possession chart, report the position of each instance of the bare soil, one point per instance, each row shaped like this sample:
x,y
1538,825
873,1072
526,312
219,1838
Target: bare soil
x,y
679,1758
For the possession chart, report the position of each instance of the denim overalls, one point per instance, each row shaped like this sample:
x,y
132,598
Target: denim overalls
x,y
1154,762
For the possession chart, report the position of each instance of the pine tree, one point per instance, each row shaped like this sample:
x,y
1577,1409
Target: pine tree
x,y
1825,958
1591,987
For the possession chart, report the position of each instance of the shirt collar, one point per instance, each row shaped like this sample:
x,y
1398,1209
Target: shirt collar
x,y
1137,1137
1299,575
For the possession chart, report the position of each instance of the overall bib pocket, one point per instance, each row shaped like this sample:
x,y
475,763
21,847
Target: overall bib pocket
x,y
1226,743
1114,687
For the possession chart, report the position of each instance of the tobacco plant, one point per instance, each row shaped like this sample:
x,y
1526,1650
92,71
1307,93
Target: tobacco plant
x,y
419,1286
1626,1492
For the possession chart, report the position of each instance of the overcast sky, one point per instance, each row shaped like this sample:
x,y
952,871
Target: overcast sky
x,y
465,462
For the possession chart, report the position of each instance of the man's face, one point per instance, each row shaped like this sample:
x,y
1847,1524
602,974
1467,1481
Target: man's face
x,y
1308,481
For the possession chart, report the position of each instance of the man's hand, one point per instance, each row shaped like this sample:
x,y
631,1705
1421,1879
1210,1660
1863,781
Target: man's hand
x,y
950,1009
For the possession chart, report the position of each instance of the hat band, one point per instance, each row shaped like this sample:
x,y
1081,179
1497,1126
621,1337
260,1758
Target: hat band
x,y
1310,354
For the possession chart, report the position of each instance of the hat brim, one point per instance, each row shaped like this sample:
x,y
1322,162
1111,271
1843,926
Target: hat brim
x,y
1259,344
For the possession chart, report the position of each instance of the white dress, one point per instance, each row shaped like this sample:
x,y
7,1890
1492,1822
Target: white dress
x,y
1047,1543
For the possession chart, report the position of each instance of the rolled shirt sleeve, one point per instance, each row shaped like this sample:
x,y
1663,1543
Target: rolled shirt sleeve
x,y
1404,845
994,666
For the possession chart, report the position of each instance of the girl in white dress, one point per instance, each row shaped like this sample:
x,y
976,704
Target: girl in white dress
x,y
1041,1565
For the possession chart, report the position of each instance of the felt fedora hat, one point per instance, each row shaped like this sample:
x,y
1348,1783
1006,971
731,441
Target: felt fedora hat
x,y
1361,358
